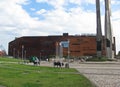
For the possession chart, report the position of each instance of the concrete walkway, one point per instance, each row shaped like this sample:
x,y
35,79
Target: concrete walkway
x,y
102,74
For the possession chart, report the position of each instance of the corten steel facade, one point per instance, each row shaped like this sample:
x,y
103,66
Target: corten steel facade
x,y
45,46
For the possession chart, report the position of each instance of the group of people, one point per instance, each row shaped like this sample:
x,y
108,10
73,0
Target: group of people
x,y
35,60
58,64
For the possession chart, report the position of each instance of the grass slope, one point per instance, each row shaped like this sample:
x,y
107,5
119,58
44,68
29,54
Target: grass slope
x,y
19,75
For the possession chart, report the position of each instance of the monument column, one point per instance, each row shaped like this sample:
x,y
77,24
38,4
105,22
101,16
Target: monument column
x,y
108,30
99,32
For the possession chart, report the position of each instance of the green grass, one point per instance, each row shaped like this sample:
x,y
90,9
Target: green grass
x,y
20,75
101,59
98,59
5,59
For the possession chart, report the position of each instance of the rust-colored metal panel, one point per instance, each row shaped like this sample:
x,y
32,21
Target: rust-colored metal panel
x,y
45,46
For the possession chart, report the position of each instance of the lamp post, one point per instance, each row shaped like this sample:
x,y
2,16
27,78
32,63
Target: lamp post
x,y
18,54
68,50
14,52
40,57
57,44
25,56
22,52
60,50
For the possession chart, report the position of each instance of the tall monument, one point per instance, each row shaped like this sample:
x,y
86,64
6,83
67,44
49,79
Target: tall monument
x,y
108,30
99,32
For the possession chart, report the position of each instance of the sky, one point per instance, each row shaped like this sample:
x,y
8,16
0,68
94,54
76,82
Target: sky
x,y
53,17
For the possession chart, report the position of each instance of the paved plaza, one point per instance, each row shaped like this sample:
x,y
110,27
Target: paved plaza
x,y
102,74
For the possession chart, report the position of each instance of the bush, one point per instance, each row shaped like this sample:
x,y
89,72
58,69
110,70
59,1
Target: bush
x,y
97,59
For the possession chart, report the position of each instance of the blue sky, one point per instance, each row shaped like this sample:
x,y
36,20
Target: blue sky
x,y
32,7
53,17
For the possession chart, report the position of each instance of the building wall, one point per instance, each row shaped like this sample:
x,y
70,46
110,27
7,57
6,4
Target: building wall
x,y
45,46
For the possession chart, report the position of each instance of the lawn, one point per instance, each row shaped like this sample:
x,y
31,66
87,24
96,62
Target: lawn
x,y
21,75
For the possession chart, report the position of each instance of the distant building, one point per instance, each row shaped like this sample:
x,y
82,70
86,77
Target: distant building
x,y
2,53
49,46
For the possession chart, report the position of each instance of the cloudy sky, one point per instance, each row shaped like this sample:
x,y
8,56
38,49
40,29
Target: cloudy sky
x,y
53,17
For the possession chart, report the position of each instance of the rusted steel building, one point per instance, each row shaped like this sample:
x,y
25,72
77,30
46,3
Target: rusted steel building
x,y
48,46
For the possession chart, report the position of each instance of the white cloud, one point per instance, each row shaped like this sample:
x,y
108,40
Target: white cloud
x,y
116,2
32,9
42,11
116,27
116,15
90,1
75,1
15,21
